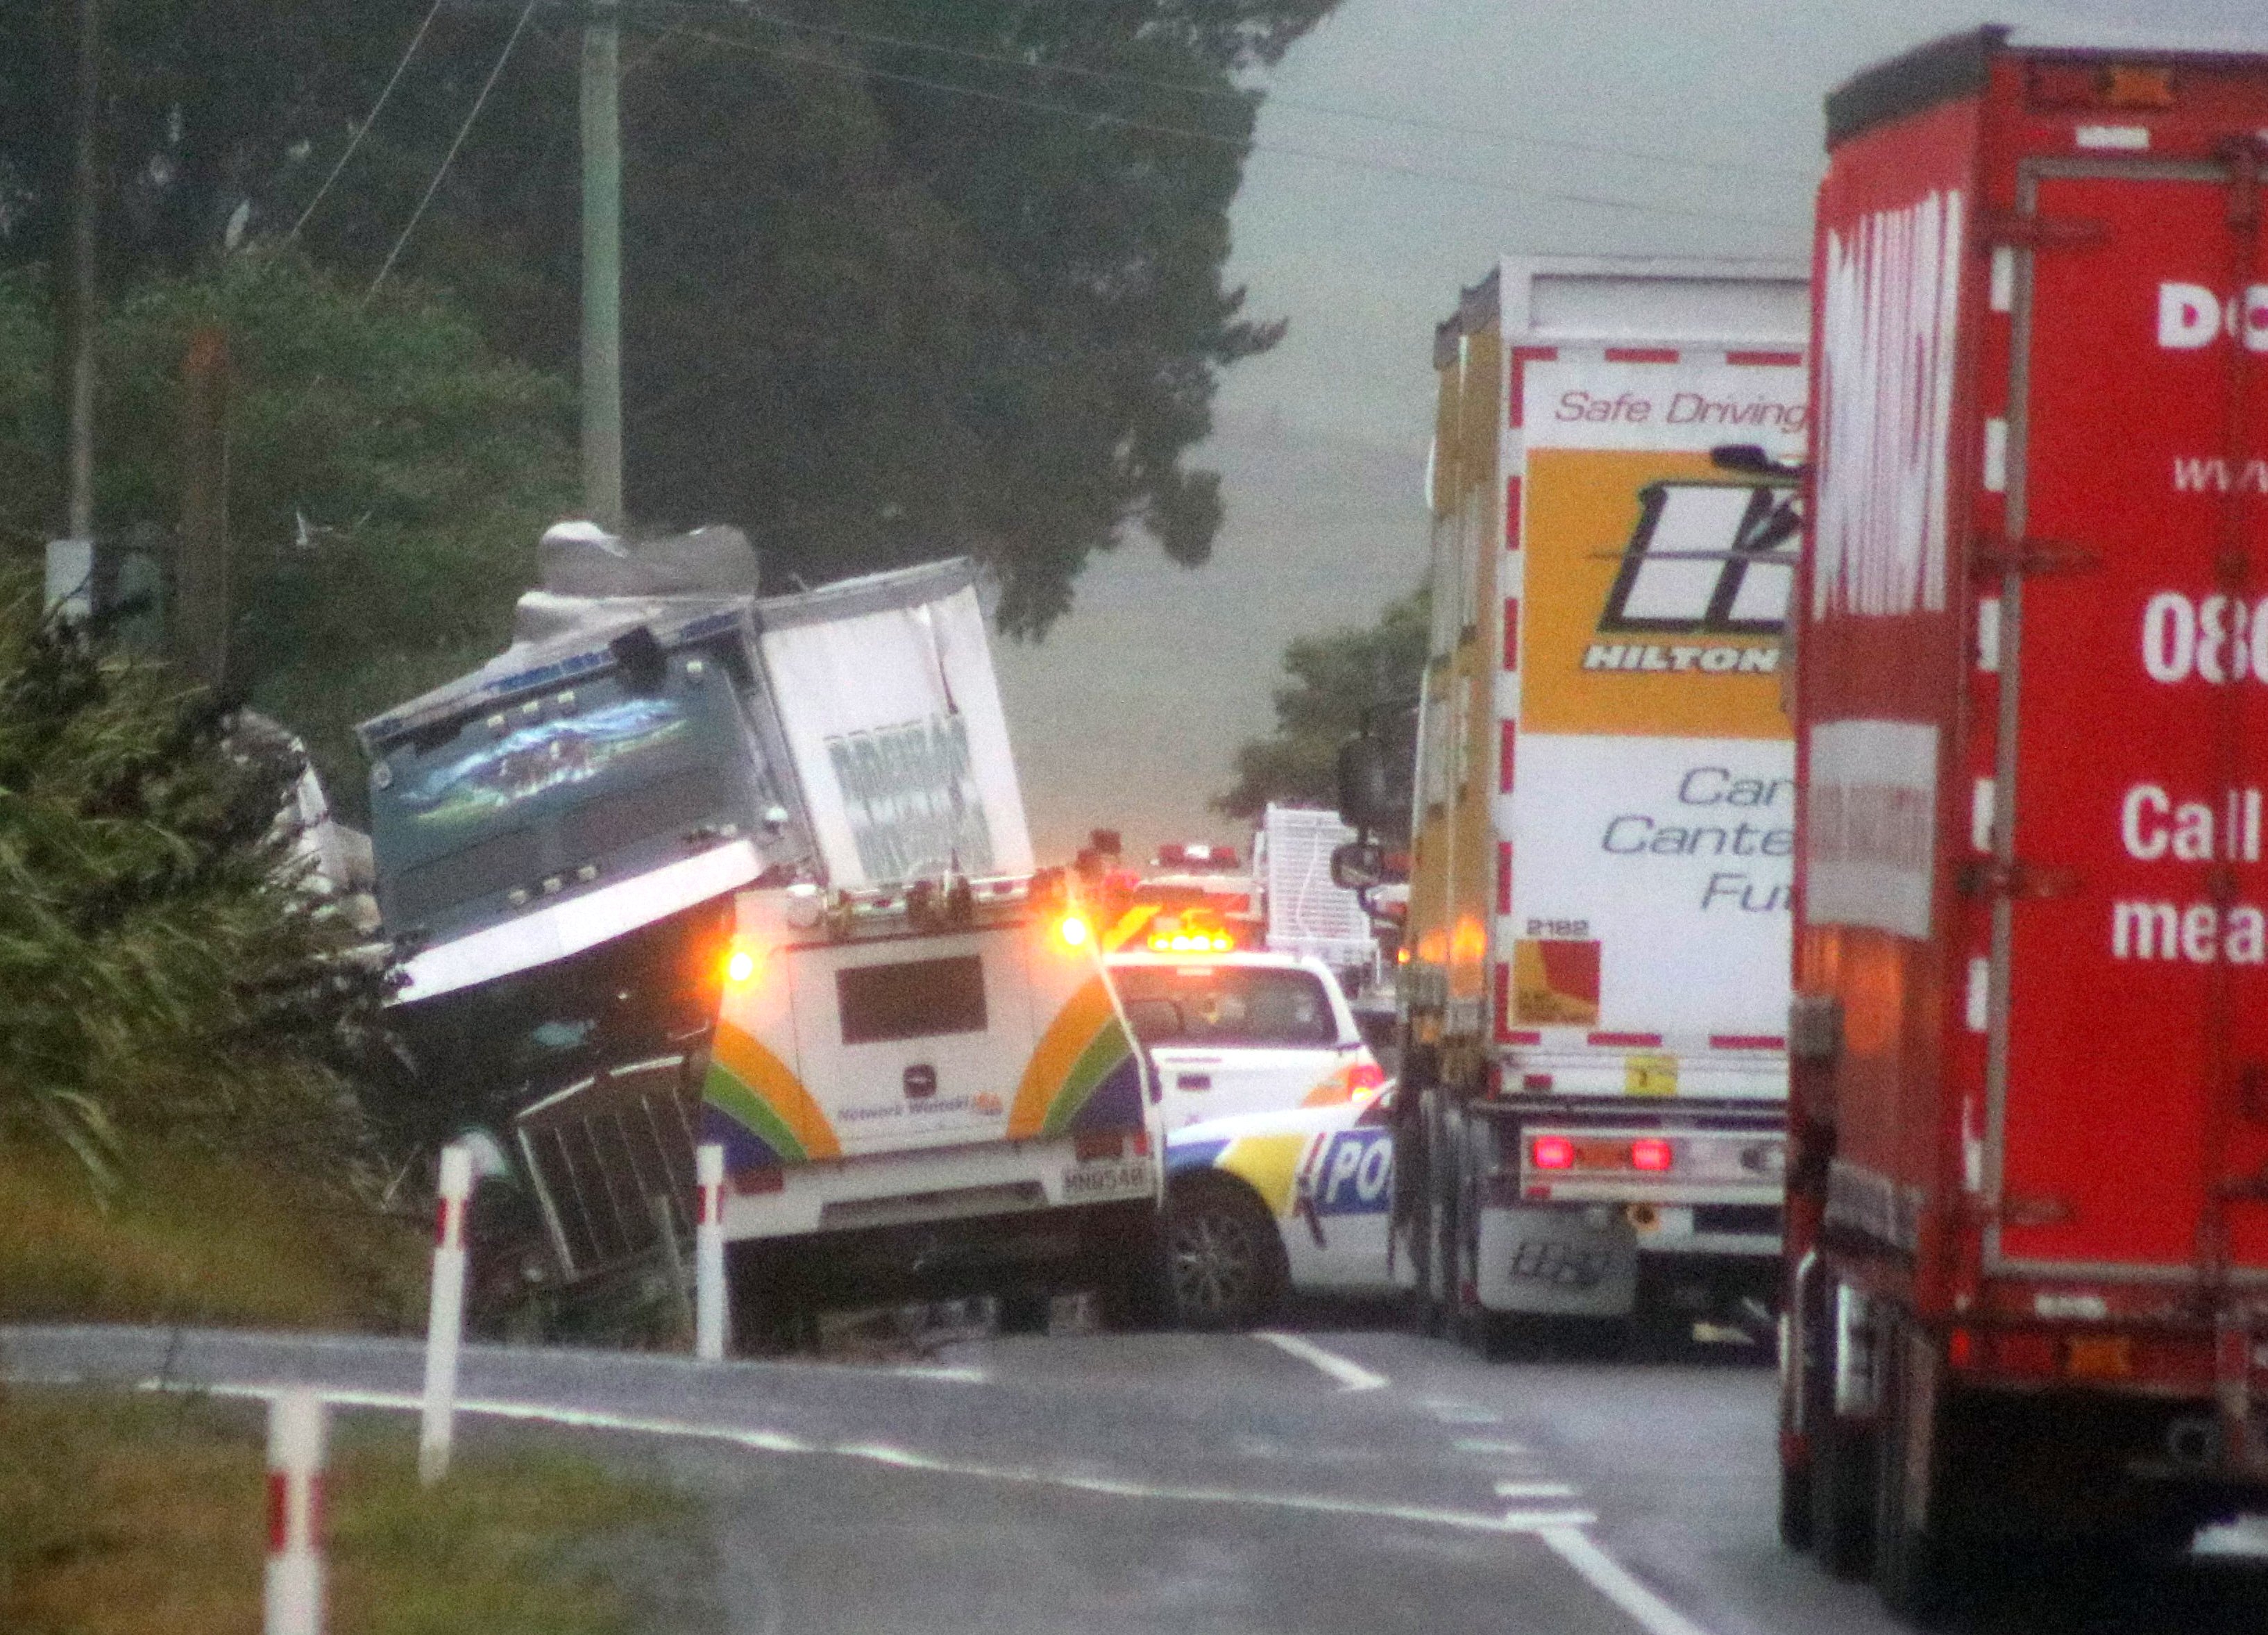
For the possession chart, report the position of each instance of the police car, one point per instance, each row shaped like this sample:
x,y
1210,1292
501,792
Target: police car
x,y
1229,1032
1269,1203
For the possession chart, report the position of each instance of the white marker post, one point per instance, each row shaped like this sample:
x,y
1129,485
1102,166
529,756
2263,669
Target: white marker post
x,y
445,1324
294,1597
709,1255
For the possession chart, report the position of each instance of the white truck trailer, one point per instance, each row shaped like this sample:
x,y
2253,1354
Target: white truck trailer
x,y
1596,986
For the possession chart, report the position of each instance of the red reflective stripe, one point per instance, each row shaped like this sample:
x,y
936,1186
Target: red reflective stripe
x,y
1623,1039
1642,354
1747,1041
279,1512
1512,513
1512,632
1524,1035
1521,356
1504,877
1503,1001
1505,737
1763,360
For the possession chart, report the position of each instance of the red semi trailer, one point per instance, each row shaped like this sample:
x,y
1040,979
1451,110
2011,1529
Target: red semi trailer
x,y
2028,1204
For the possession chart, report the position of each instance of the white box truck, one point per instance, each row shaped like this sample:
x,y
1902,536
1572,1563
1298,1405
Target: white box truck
x,y
1596,987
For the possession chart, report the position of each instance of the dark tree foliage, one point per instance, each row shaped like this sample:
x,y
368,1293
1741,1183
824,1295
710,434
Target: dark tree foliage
x,y
1338,681
882,302
162,971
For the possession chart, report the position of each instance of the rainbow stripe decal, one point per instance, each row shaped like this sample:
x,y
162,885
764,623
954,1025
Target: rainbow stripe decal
x,y
1083,1076
759,1109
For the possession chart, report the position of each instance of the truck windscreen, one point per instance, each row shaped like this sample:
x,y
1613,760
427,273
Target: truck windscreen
x,y
593,782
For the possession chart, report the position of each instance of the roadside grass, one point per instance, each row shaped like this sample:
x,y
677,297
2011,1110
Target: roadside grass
x,y
194,1238
145,1516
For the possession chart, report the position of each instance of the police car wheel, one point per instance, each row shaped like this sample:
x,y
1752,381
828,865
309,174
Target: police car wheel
x,y
1226,1259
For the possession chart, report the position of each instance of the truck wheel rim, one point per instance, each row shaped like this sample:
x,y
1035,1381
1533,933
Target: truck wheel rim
x,y
1215,1265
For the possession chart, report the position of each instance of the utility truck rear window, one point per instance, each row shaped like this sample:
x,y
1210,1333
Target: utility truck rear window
x,y
1226,1004
913,1000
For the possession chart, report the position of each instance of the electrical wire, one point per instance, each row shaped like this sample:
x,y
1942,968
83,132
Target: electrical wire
x,y
1242,144
363,129
1275,98
449,157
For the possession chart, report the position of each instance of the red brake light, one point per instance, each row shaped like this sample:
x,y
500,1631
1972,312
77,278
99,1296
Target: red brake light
x,y
1366,1075
1651,1153
1552,1152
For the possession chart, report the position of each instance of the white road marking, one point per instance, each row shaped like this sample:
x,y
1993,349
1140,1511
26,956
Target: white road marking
x,y
1351,1376
1517,1521
1535,1489
1613,1580
1461,1413
1471,1445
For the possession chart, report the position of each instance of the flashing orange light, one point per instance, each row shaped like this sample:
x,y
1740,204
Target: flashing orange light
x,y
1074,931
739,966
1192,942
1401,956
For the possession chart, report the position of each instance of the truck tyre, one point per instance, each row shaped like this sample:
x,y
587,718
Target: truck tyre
x,y
1841,1481
1912,1561
1795,1504
1225,1258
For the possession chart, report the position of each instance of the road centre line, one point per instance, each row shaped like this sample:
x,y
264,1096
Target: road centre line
x,y
1351,1376
1535,1489
1512,1522
1613,1580
1481,1445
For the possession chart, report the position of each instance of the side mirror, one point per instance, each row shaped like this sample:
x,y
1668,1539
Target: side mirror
x,y
1358,866
1365,801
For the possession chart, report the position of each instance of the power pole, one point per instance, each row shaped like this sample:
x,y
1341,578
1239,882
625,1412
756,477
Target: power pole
x,y
200,611
603,265
70,559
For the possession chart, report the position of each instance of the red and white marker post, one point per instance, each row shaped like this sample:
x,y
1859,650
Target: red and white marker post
x,y
293,1601
445,1323
709,1255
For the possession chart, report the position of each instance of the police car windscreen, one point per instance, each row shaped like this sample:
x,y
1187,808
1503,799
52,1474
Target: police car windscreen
x,y
1226,1004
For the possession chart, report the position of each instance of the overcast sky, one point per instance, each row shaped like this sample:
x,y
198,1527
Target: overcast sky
x,y
1128,715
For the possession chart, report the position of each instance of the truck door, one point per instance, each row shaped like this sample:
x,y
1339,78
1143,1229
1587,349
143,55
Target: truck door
x,y
2127,1129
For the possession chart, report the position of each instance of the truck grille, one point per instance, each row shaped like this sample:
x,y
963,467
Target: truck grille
x,y
601,1151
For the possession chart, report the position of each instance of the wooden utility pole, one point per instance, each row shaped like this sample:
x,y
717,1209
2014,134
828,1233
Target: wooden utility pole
x,y
602,266
200,621
70,559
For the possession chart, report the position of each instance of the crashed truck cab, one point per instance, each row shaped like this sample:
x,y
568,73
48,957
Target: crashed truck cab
x,y
927,1090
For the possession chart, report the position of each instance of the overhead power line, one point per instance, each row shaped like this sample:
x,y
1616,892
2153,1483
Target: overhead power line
x,y
858,70
449,157
1275,98
369,120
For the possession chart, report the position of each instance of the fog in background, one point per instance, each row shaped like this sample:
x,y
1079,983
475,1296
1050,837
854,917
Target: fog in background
x,y
1128,715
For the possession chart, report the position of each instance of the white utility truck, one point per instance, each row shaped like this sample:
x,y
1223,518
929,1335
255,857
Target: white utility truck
x,y
1596,983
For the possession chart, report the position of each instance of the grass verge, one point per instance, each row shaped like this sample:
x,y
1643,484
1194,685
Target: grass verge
x,y
144,1516
196,1239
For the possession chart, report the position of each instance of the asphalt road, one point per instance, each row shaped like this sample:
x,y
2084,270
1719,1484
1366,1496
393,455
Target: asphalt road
x,y
1333,1481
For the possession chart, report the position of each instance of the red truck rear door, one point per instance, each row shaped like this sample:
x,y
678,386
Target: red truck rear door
x,y
2127,1003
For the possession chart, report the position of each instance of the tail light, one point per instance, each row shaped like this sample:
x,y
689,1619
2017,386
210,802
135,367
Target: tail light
x,y
1552,1152
1365,1075
1651,1154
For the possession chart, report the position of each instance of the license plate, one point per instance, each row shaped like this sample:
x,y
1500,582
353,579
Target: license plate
x,y
1107,1179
